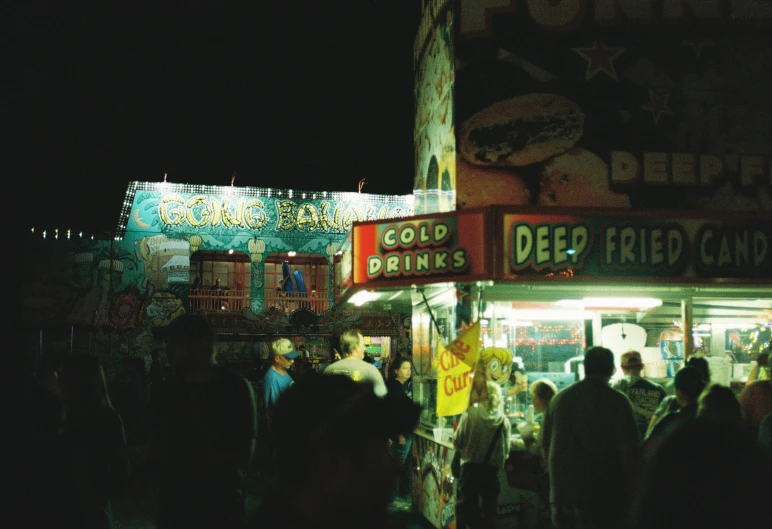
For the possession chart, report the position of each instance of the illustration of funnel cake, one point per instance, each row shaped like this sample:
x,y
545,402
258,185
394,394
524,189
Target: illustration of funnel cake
x,y
521,131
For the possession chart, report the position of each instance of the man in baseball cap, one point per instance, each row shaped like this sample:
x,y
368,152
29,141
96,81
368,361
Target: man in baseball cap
x,y
275,382
644,394
277,378
283,347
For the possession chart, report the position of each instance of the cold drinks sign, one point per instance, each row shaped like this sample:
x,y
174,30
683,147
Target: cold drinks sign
x,y
420,250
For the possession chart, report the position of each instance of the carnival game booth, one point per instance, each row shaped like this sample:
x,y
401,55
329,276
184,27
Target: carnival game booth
x,y
537,286
256,262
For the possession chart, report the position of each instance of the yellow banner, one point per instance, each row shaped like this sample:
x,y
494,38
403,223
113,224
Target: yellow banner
x,y
454,364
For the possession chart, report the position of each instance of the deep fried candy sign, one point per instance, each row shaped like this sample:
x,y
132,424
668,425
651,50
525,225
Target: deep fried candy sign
x,y
637,245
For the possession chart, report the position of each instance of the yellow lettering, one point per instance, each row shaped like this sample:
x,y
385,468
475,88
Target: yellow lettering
x,y
307,216
199,211
286,211
352,214
230,218
172,210
255,220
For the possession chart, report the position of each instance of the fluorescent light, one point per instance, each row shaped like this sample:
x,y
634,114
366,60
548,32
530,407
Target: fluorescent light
x,y
549,314
611,303
362,297
395,295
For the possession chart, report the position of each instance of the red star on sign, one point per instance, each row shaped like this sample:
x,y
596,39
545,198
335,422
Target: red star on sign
x,y
657,105
600,59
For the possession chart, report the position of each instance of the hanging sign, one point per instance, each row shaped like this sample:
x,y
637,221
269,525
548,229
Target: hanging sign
x,y
420,250
454,365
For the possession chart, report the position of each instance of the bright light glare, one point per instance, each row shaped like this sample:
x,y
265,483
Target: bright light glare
x,y
611,303
362,297
395,295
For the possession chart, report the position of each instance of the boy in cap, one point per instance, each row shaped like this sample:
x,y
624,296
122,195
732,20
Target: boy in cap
x,y
202,432
644,394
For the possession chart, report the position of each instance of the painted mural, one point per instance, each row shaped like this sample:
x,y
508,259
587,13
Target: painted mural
x,y
633,105
108,293
434,184
434,491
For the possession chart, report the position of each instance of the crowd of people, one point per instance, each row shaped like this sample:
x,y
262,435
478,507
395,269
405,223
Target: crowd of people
x,y
190,431
700,463
624,454
620,455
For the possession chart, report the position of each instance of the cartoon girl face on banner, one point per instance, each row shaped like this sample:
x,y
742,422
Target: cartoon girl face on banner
x,y
498,364
494,364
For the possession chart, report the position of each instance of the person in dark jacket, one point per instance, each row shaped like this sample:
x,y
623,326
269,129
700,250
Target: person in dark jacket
x,y
202,427
399,388
688,386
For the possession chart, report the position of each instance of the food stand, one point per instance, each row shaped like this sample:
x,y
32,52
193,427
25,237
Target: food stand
x,y
603,169
545,285
599,174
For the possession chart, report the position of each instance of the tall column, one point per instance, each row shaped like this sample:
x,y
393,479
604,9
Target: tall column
x,y
257,289
686,318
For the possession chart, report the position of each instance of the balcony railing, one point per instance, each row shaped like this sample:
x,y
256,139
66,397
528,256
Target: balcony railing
x,y
288,303
226,299
237,299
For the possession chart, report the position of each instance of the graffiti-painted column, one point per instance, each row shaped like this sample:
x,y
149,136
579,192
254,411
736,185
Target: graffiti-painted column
x,y
257,288
331,250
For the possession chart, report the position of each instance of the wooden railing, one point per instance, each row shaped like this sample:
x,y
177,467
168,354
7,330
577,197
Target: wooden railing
x,y
288,303
237,299
227,299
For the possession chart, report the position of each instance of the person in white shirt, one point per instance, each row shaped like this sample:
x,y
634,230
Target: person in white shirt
x,y
353,365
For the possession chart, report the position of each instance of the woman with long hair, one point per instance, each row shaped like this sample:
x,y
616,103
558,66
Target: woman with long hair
x,y
399,389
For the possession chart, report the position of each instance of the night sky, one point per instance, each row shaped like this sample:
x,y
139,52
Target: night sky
x,y
307,98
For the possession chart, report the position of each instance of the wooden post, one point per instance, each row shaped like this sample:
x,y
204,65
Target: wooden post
x,y
687,311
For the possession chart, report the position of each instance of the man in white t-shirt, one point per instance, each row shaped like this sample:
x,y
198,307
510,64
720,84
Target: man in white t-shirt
x,y
353,365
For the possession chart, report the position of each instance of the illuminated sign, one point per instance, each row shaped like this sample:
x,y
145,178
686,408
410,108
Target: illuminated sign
x,y
419,249
221,213
636,245
545,244
416,249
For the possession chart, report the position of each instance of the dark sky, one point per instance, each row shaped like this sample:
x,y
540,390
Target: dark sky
x,y
314,97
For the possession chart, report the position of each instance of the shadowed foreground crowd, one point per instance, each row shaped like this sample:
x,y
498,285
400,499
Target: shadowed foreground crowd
x,y
331,461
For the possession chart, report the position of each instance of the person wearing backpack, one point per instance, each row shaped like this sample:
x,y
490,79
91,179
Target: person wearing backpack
x,y
482,438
